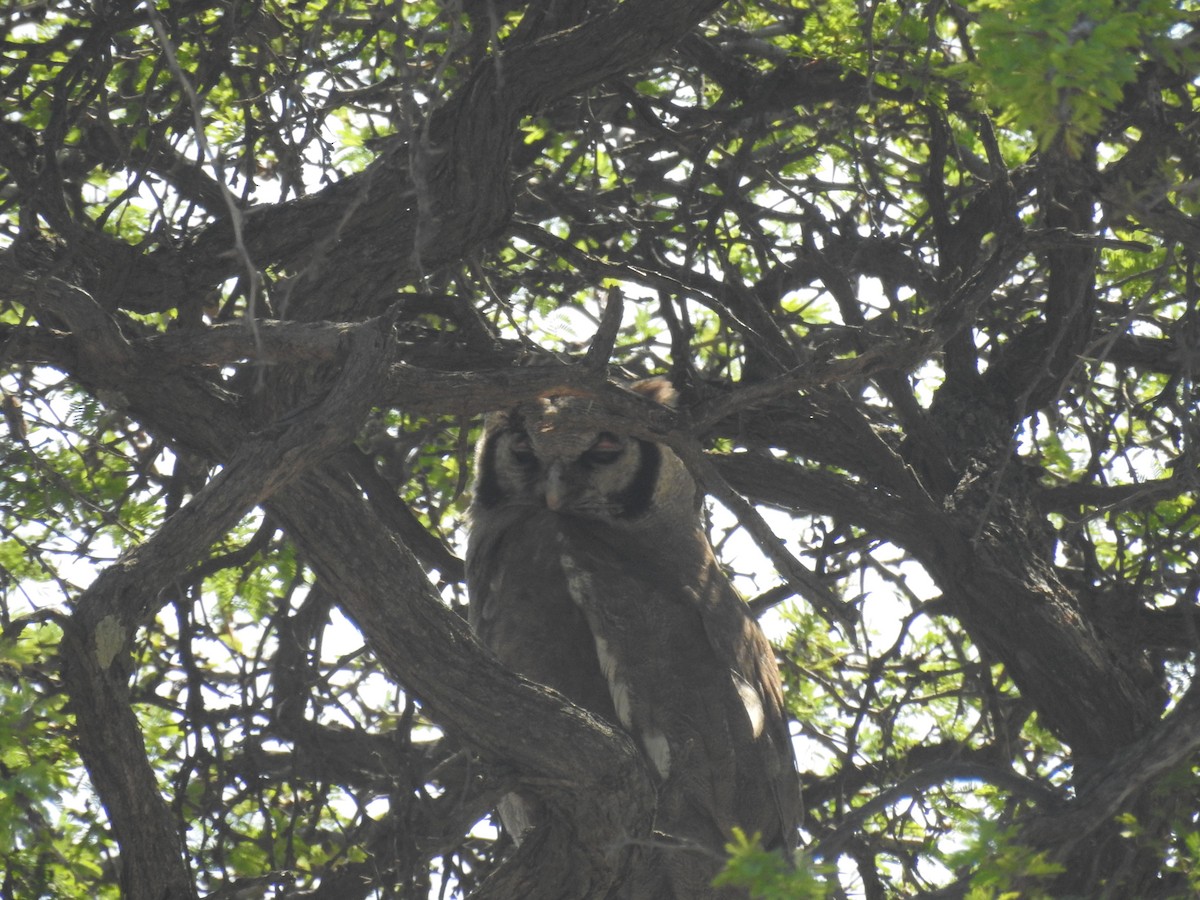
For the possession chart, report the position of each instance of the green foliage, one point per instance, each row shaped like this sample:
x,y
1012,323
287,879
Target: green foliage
x,y
1058,68
788,185
999,863
50,836
767,875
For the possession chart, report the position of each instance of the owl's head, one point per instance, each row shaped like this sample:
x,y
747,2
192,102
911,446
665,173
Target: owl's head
x,y
544,455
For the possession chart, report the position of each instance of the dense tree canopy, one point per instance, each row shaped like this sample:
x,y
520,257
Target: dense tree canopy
x,y
923,275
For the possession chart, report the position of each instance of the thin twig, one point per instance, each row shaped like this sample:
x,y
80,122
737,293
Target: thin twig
x,y
206,155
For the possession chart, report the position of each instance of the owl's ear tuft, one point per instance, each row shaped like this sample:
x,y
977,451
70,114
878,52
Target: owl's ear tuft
x,y
658,389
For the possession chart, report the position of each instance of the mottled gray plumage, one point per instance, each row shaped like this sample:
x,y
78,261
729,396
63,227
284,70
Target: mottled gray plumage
x,y
589,571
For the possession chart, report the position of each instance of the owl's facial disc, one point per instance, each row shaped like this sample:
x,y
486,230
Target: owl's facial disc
x,y
566,470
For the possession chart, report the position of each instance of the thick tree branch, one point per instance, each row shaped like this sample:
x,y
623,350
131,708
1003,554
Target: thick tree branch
x,y
1111,789
1101,499
789,486
590,773
429,200
98,635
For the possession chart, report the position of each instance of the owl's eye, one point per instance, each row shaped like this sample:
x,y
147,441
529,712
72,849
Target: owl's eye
x,y
521,450
607,449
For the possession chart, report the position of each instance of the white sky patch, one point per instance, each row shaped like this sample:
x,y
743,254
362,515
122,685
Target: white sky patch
x,y
566,325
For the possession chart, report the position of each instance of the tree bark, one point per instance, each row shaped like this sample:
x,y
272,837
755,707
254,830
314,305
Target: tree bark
x,y
433,195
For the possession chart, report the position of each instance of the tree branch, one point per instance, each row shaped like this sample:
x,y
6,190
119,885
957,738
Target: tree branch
x,y
590,774
1131,773
431,197
98,635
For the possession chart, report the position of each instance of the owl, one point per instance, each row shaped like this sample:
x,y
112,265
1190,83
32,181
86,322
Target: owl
x,y
589,571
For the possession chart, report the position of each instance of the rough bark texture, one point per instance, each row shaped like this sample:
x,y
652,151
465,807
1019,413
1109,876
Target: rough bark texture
x,y
372,233
989,271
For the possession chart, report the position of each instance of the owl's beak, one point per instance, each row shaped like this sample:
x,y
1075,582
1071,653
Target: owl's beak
x,y
555,489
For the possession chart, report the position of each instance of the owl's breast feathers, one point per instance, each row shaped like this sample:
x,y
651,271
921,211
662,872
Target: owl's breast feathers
x,y
520,608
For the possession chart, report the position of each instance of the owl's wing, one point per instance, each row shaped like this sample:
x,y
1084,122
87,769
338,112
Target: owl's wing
x,y
692,678
739,642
